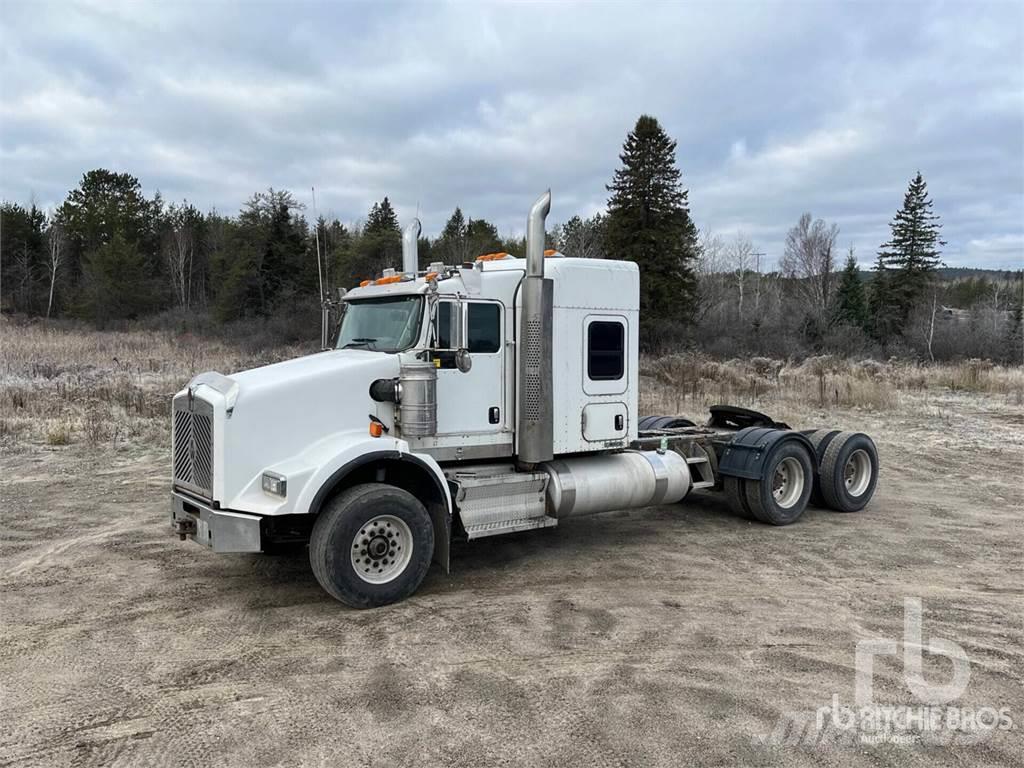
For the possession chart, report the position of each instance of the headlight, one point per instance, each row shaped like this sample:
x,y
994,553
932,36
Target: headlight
x,y
275,484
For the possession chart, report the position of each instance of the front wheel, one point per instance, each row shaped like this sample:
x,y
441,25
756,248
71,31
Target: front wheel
x,y
371,545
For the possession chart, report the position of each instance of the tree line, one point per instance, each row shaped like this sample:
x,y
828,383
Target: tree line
x,y
108,254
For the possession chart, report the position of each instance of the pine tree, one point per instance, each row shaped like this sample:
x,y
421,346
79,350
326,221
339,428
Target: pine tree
x,y
455,227
451,246
116,283
382,219
851,305
649,222
380,246
882,322
481,237
912,253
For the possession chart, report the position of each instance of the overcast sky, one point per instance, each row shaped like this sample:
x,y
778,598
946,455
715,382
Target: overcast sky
x,y
777,108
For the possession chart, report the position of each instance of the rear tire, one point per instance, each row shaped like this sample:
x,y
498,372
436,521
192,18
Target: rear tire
x,y
736,496
371,545
849,472
781,495
820,439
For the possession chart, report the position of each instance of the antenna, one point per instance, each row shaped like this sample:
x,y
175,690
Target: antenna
x,y
316,231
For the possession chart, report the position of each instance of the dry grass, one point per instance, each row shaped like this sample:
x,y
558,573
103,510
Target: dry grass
x,y
688,384
61,387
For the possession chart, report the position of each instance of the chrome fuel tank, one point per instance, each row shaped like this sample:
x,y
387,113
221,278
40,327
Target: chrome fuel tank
x,y
585,485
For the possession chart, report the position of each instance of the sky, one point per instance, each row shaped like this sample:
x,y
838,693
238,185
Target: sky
x,y
777,108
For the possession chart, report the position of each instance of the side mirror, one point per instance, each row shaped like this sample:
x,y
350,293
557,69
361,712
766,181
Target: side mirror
x,y
463,361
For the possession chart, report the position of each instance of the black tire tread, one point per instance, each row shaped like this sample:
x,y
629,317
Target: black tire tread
x,y
756,499
830,468
320,543
820,439
736,496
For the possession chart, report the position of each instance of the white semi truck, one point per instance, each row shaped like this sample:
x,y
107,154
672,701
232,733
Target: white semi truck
x,y
466,401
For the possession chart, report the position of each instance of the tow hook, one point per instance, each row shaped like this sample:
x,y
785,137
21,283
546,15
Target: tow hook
x,y
184,528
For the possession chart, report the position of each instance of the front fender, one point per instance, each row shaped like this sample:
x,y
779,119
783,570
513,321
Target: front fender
x,y
312,474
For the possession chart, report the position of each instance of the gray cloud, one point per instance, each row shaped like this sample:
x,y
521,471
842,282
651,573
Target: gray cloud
x,y
777,108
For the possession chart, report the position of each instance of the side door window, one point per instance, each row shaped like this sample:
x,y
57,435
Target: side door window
x,y
483,328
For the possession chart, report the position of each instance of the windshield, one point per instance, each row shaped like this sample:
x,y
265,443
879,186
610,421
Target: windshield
x,y
388,324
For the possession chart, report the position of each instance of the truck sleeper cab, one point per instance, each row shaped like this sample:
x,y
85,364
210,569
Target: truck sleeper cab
x,y
468,401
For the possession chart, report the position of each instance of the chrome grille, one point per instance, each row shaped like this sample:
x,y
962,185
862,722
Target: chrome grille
x,y
192,445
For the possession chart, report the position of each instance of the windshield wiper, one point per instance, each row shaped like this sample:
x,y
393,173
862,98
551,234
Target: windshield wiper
x,y
368,343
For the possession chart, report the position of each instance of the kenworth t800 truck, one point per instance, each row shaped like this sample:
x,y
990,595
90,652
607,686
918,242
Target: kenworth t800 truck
x,y
465,401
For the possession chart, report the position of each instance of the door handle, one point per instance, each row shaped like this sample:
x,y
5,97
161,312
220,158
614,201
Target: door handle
x,y
618,422
494,414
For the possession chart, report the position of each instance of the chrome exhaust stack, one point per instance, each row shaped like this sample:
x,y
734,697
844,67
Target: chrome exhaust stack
x,y
534,416
410,243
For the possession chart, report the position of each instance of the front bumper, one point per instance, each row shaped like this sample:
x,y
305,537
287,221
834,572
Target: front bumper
x,y
218,529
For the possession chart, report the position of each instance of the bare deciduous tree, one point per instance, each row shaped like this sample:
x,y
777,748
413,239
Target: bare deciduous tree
x,y
741,262
55,248
809,258
712,275
179,249
931,326
582,238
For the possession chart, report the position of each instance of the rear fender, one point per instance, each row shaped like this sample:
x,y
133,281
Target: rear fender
x,y
745,455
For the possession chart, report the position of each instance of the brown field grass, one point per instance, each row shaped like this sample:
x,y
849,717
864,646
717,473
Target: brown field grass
x,y
61,386
688,384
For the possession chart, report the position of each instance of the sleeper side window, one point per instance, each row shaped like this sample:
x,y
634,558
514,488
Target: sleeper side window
x,y
483,327
606,350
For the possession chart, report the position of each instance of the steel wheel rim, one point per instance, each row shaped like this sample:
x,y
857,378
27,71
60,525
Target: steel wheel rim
x,y
857,472
381,549
788,482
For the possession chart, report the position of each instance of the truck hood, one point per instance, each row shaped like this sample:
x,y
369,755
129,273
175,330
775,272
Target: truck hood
x,y
278,411
350,364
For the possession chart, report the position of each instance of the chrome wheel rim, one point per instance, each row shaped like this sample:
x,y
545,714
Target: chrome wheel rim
x,y
788,482
381,549
857,473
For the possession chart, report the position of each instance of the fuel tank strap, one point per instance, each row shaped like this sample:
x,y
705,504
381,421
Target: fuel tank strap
x,y
660,476
568,485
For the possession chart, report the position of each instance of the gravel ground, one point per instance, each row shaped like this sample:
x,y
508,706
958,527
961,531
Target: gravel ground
x,y
666,636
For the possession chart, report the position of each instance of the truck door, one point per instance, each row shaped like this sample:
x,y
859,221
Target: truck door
x,y
474,401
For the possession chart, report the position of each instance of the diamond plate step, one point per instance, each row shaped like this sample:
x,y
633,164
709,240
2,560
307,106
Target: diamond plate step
x,y
509,526
495,499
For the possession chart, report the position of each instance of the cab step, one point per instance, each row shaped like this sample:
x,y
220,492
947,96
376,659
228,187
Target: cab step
x,y
494,499
508,526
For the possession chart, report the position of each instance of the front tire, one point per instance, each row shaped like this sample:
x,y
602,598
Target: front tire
x,y
371,545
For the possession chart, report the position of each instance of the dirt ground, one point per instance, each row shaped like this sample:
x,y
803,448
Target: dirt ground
x,y
666,636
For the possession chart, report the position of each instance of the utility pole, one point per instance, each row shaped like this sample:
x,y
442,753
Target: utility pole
x,y
757,281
